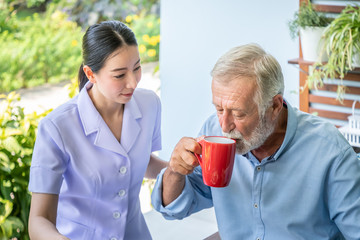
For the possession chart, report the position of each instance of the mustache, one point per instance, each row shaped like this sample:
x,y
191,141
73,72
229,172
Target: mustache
x,y
234,134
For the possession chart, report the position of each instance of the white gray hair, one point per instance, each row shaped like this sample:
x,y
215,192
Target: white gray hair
x,y
252,61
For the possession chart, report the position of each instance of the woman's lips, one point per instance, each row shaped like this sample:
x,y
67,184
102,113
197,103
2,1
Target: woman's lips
x,y
128,94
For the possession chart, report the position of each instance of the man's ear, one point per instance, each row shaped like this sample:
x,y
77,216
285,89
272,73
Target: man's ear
x,y
89,73
277,106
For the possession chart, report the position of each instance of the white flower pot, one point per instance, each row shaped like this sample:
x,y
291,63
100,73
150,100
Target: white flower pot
x,y
356,59
312,44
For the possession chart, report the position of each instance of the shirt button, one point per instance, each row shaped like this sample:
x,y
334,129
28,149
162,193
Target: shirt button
x,y
121,193
258,168
255,205
123,170
113,238
116,215
258,239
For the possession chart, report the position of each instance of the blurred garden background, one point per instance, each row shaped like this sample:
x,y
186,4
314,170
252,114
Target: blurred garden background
x,y
40,42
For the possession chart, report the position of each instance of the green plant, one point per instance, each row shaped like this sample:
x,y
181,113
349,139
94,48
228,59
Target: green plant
x,y
147,32
341,41
89,12
17,138
38,49
72,87
307,17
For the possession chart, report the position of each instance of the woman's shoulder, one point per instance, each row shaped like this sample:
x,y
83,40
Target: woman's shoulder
x,y
145,95
63,111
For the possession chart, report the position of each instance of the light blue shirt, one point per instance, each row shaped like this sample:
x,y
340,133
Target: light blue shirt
x,y
97,178
309,189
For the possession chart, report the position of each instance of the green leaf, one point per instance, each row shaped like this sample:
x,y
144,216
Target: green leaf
x,y
11,144
6,208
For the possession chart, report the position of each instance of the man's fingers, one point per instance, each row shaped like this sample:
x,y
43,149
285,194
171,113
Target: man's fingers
x,y
191,144
181,168
183,160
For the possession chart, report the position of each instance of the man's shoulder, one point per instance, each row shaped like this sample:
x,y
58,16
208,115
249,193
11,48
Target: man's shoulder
x,y
320,129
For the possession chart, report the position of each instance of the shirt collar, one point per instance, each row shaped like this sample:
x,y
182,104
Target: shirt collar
x,y
291,128
93,122
289,135
89,116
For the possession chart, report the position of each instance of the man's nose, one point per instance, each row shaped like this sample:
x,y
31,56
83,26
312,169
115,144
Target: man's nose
x,y
227,123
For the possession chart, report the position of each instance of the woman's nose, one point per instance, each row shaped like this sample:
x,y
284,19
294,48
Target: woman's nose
x,y
132,81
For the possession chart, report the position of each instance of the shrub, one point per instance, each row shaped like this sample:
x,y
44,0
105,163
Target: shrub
x,y
147,32
89,12
17,138
41,49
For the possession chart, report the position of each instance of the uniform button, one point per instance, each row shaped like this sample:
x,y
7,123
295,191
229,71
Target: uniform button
x,y
121,193
255,205
116,215
123,170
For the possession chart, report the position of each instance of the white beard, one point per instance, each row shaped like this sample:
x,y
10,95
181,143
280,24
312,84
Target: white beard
x,y
257,138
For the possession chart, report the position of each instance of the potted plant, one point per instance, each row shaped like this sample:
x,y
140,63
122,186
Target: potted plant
x,y
342,44
310,24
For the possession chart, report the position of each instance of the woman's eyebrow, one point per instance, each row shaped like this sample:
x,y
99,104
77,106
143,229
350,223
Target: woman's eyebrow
x,y
138,61
124,68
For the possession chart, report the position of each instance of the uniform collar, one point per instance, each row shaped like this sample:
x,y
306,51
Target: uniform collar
x,y
94,123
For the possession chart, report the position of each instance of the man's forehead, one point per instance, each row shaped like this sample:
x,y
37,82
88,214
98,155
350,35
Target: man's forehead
x,y
236,94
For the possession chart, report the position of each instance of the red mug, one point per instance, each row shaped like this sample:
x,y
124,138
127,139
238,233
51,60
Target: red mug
x,y
217,160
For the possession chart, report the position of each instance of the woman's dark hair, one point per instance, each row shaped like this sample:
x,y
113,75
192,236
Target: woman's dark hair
x,y
101,40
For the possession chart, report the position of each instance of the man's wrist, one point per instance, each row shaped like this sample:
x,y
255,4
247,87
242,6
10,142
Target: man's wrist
x,y
174,176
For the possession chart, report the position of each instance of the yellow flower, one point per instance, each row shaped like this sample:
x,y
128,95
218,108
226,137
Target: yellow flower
x,y
149,24
146,38
58,15
74,43
128,19
136,17
153,41
142,48
151,52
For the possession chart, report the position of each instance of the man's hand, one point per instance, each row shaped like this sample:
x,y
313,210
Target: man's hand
x,y
182,162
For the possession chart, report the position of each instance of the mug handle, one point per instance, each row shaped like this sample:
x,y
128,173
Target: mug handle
x,y
198,156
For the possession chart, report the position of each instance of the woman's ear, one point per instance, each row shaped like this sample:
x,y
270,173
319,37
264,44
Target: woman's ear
x,y
89,74
277,106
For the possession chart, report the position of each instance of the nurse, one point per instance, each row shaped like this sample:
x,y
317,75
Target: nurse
x,y
92,153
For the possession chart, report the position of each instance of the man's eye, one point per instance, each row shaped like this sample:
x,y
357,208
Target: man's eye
x,y
120,76
137,68
220,110
239,116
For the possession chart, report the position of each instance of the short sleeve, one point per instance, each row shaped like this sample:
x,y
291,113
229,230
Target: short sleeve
x,y
48,161
156,140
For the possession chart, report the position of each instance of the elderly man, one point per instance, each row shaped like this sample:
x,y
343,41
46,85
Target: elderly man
x,y
294,177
